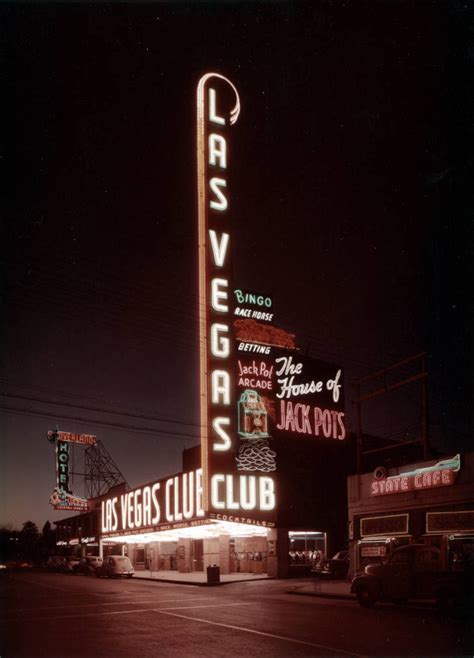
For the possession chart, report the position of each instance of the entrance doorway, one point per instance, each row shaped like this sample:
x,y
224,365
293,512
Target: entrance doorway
x,y
197,553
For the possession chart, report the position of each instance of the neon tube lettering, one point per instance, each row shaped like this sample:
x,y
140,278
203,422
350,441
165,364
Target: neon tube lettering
x,y
212,109
267,493
178,516
231,503
156,517
217,503
248,494
219,250
146,506
215,184
199,507
188,495
220,345
217,427
220,386
217,294
169,484
217,151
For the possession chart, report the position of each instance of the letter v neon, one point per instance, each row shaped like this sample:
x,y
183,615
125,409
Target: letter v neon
x,y
219,250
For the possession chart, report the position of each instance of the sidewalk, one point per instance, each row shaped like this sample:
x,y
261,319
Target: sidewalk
x,y
329,589
196,577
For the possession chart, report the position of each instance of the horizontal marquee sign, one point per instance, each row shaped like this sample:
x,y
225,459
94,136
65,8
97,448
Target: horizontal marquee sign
x,y
442,474
167,501
72,437
176,502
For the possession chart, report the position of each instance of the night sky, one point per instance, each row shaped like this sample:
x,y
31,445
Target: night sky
x,y
351,202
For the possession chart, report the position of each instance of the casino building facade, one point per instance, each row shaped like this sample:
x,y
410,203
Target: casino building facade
x,y
162,528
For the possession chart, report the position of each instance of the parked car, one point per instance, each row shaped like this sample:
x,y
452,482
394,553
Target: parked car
x,y
69,565
16,565
413,572
115,566
337,567
87,565
55,563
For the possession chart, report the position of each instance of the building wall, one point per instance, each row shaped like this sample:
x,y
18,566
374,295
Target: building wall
x,y
456,497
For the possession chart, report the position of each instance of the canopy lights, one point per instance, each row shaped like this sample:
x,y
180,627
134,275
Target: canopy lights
x,y
208,531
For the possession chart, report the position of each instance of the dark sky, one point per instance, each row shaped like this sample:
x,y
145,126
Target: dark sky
x,y
351,202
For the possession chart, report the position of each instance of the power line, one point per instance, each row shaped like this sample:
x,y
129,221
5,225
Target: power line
x,y
146,430
102,410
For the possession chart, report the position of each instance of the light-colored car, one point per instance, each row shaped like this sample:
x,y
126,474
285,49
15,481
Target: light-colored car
x,y
88,564
70,565
115,566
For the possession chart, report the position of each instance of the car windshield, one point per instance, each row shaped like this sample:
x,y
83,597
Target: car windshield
x,y
121,560
341,555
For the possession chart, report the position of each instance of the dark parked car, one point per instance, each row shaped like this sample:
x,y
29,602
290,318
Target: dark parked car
x,y
55,563
115,566
414,572
87,565
337,567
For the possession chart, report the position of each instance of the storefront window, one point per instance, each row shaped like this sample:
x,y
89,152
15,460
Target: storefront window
x,y
306,548
461,552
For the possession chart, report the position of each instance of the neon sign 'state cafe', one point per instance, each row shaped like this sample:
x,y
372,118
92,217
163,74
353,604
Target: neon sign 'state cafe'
x,y
212,513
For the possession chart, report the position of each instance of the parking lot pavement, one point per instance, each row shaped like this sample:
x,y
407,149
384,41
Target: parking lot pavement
x,y
331,589
66,616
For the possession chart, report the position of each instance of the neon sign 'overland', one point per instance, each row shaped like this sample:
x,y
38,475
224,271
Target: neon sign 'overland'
x,y
223,489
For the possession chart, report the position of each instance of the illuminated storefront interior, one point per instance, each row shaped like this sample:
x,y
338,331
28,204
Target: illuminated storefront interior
x,y
234,547
306,547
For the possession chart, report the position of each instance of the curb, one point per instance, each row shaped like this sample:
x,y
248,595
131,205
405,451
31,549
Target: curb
x,y
324,595
196,584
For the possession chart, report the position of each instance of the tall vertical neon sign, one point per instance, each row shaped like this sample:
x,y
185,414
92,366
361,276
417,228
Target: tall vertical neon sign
x,y
214,253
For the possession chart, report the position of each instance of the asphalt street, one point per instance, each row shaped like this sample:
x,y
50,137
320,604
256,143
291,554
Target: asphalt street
x,y
61,616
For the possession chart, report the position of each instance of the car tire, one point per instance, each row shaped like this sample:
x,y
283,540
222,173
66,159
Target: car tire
x,y
130,575
365,597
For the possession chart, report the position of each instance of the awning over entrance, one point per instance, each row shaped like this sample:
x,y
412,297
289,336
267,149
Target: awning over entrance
x,y
205,531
